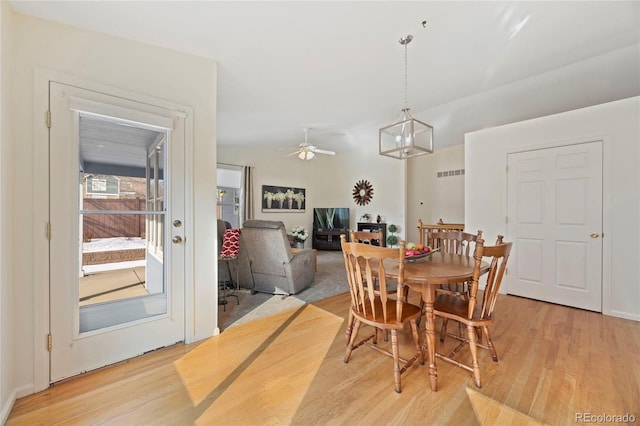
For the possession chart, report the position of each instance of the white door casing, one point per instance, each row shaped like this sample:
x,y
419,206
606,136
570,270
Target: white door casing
x,y
74,352
554,199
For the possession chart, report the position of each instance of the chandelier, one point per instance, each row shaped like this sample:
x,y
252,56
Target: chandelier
x,y
406,137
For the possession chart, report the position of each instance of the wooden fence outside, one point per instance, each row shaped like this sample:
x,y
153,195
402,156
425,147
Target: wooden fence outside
x,y
113,225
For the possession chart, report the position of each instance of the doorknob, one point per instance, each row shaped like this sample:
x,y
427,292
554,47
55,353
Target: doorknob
x,y
594,235
177,239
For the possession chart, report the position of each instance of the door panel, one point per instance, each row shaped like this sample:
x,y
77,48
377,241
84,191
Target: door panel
x,y
571,256
554,207
530,262
86,336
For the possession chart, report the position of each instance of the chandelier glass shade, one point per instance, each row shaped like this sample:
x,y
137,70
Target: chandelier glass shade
x,y
406,137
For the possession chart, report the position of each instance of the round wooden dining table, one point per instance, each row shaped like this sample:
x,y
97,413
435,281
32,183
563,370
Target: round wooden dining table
x,y
425,275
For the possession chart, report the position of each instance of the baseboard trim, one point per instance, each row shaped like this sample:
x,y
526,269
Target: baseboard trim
x,y
6,408
15,394
624,315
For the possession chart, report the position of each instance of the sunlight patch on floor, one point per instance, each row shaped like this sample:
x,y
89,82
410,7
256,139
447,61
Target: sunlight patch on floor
x,y
488,411
236,376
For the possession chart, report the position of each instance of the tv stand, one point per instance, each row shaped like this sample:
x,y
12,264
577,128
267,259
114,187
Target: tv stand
x,y
324,239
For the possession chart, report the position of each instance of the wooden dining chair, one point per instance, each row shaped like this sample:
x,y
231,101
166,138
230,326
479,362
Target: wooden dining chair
x,y
372,305
454,242
473,313
368,237
423,228
362,237
457,242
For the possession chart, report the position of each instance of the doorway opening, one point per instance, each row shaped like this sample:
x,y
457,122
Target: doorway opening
x,y
229,197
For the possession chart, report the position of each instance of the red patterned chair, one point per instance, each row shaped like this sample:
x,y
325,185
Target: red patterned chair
x,y
228,250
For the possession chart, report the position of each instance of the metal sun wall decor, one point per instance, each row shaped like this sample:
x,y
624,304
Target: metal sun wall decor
x,y
283,199
362,192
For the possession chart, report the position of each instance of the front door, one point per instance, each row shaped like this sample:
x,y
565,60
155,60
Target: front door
x,y
555,219
116,242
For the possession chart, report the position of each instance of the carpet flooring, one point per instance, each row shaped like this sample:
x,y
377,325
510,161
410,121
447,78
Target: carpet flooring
x,y
331,279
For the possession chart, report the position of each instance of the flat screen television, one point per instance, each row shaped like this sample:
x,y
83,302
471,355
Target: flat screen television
x,y
331,218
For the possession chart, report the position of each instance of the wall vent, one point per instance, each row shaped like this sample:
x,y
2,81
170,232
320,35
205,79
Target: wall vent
x,y
448,173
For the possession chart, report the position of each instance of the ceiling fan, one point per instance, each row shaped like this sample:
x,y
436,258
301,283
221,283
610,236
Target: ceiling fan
x,y
308,152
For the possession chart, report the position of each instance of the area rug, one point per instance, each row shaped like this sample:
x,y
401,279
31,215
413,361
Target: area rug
x,y
330,279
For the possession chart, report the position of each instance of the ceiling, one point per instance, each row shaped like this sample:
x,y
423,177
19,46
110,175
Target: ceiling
x,y
111,146
338,68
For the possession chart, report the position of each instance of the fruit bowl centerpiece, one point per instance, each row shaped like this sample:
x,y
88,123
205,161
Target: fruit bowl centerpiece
x,y
415,252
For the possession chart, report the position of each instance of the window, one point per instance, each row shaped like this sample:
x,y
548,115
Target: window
x,y
101,185
98,185
229,198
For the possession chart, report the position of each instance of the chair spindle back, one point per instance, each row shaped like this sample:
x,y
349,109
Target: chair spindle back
x,y
455,242
365,264
499,255
423,228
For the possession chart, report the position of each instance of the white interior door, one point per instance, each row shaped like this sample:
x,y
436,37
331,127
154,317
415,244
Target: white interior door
x,y
116,185
555,219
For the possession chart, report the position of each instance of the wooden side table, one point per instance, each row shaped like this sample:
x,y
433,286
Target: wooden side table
x,y
382,227
315,256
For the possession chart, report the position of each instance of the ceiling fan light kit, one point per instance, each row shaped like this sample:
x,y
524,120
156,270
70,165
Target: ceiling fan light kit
x,y
306,154
406,137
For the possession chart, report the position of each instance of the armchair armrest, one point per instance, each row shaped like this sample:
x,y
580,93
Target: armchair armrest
x,y
301,270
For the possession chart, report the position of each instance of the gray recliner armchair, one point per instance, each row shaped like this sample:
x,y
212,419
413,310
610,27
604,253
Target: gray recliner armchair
x,y
274,268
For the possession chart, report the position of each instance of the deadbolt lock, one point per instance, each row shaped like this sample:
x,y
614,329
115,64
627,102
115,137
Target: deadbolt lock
x,y
177,223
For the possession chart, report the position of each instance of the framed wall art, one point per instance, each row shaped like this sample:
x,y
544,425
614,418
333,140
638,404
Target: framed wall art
x,y
279,199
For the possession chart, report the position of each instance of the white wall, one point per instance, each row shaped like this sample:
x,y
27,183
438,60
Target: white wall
x,y
7,394
618,125
130,66
328,181
430,197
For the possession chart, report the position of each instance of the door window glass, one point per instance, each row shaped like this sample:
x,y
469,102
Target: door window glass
x,y
121,219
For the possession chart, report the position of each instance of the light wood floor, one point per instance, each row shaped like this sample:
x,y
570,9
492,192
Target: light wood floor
x,y
287,369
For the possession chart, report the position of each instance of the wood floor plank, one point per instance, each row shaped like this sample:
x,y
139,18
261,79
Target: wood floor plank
x,y
554,362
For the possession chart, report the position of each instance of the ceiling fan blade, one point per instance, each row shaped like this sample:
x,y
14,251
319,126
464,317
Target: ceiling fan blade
x,y
323,151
